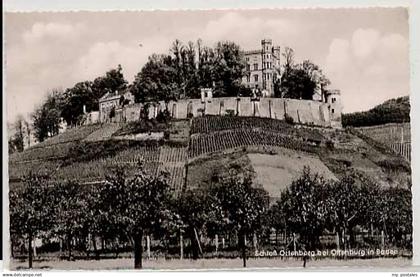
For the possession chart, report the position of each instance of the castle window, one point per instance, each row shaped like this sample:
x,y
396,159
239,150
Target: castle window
x,y
247,58
332,110
268,76
256,78
255,66
333,100
248,79
248,67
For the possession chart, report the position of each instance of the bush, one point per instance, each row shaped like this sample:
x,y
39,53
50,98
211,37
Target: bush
x,y
329,144
289,119
230,112
163,116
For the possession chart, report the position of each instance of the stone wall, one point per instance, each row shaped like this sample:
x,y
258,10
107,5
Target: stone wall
x,y
302,111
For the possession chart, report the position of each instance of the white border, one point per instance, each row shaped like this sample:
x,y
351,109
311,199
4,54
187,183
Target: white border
x,y
108,5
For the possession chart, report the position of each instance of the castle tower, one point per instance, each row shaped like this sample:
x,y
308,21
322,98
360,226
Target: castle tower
x,y
333,99
266,46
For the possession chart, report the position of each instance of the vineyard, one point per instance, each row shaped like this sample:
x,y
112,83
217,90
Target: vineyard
x,y
21,169
54,151
210,124
70,135
215,142
103,133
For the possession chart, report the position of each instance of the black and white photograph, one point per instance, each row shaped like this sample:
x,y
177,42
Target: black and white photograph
x,y
208,139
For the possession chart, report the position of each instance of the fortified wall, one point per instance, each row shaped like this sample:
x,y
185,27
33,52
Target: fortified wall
x,y
302,111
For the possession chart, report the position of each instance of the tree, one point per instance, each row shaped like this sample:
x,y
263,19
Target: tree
x,y
242,205
16,141
81,94
47,117
138,204
229,68
70,211
276,219
299,81
31,211
188,68
345,206
305,209
194,209
397,215
156,81
112,81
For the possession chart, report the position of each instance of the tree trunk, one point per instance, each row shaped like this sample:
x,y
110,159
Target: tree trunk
x,y
95,248
30,250
277,241
194,245
69,246
138,249
243,246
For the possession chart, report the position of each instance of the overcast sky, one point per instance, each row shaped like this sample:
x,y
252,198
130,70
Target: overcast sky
x,y
364,52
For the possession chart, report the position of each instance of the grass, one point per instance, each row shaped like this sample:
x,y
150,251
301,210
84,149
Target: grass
x,y
276,172
214,264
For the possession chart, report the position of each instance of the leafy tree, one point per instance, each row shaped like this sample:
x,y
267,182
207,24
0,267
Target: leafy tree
x,y
112,81
156,81
139,205
188,68
396,215
276,219
229,68
345,206
70,211
242,206
31,211
299,81
46,118
74,99
16,141
195,211
305,209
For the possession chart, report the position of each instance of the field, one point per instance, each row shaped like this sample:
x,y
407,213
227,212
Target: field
x,y
221,264
276,172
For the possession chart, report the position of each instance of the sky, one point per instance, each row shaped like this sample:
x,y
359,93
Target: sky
x,y
364,52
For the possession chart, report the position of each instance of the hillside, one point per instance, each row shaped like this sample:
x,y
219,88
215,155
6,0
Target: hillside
x,y
198,151
391,111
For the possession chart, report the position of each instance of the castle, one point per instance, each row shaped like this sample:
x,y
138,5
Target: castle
x,y
262,70
262,67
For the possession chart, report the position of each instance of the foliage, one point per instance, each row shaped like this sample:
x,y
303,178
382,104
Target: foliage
x,y
70,209
112,81
47,117
242,205
31,210
138,205
195,210
301,81
305,209
391,111
288,119
188,68
16,141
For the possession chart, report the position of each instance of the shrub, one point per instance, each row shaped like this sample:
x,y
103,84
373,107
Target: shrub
x,y
329,144
163,116
288,119
230,112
